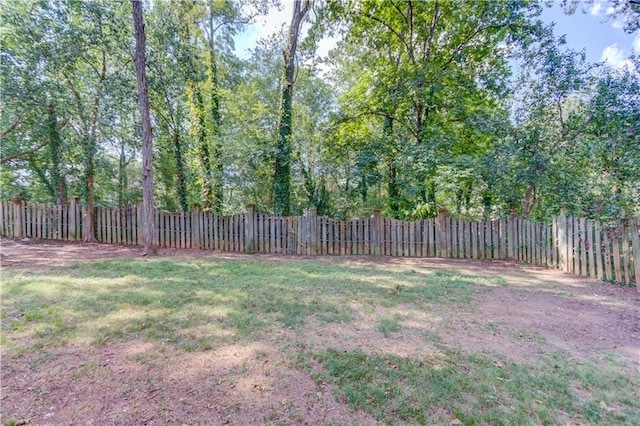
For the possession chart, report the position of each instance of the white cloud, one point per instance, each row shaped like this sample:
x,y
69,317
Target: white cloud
x,y
636,44
618,25
596,9
615,57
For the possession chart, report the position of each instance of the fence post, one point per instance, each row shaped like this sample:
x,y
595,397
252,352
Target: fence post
x,y
441,233
563,261
139,235
635,242
18,214
250,220
376,233
195,227
312,236
73,232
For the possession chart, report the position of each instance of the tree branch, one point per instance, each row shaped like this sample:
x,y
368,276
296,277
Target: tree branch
x,y
10,129
22,154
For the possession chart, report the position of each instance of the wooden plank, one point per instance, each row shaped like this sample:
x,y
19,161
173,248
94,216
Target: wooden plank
x,y
617,266
3,218
598,248
537,250
30,222
125,225
531,241
224,233
453,241
64,222
41,226
607,255
45,222
170,219
163,229
424,251
330,237
30,230
589,245
45,233
512,238
576,246
342,228
271,226
482,240
496,228
50,222
109,222
548,245
366,249
117,226
131,220
413,240
522,246
583,246
402,238
474,240
626,260
276,228
208,230
392,235
235,240
466,239
568,254
635,248
386,236
171,228
214,230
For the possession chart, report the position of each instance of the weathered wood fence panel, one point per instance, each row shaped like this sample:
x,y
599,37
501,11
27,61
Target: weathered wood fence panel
x,y
584,247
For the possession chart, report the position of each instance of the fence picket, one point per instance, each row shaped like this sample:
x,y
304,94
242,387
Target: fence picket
x,y
635,247
582,244
626,261
617,267
570,243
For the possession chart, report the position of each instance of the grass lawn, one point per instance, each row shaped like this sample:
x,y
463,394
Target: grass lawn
x,y
251,340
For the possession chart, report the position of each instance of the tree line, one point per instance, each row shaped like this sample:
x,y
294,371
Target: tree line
x,y
476,107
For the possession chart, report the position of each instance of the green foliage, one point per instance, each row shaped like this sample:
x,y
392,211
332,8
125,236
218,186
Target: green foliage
x,y
470,106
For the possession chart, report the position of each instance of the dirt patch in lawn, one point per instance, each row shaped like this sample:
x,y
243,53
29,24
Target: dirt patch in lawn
x,y
531,311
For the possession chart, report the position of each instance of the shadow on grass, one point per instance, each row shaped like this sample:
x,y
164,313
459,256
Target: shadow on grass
x,y
200,304
164,300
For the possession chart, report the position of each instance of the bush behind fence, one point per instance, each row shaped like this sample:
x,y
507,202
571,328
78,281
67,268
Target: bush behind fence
x,y
576,245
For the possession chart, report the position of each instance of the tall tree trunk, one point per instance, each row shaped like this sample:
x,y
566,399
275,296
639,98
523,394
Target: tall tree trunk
x,y
148,228
55,145
282,174
178,153
204,149
216,172
529,200
392,185
122,176
91,147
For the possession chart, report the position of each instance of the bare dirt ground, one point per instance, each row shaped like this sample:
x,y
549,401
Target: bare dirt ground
x,y
536,311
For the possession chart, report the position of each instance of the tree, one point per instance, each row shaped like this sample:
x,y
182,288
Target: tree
x,y
282,172
148,231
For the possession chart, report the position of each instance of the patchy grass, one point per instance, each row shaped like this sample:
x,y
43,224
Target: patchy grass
x,y
476,389
201,304
165,301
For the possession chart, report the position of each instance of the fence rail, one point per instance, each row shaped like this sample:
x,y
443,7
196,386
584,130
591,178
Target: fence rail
x,y
580,246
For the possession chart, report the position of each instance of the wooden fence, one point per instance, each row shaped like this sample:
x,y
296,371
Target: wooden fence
x,y
575,245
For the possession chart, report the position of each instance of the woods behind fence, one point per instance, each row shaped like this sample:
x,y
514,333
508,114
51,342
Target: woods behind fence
x,y
582,246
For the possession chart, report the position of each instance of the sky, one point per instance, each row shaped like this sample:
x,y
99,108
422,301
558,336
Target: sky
x,y
588,28
591,29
